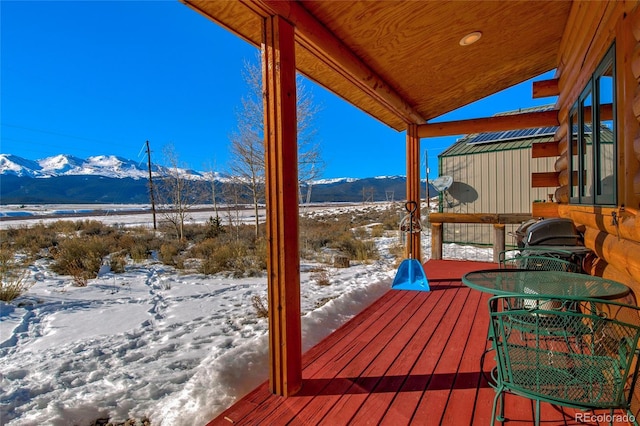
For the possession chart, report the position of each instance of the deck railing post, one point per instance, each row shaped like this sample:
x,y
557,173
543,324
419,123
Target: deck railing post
x,y
436,241
498,240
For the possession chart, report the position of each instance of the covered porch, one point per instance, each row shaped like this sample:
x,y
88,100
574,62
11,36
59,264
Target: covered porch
x,y
407,64
409,358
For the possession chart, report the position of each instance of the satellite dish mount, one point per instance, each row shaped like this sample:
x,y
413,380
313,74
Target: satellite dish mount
x,y
442,184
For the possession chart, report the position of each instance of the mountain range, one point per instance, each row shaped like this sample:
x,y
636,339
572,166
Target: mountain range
x,y
109,179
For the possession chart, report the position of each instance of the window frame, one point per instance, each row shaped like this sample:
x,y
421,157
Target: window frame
x,y
585,179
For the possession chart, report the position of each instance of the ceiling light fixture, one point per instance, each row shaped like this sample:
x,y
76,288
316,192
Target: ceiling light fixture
x,y
470,38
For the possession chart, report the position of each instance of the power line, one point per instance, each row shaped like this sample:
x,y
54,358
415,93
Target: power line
x,y
50,132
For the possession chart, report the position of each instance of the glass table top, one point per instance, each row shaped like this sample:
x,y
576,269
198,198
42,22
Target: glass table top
x,y
550,283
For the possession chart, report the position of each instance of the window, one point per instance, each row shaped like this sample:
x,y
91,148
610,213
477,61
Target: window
x,y
592,144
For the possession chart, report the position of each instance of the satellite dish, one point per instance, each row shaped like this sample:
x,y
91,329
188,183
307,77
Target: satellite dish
x,y
442,183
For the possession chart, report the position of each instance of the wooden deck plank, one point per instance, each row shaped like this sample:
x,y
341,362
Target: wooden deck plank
x,y
336,344
343,346
401,409
372,350
434,400
409,358
401,370
469,381
390,367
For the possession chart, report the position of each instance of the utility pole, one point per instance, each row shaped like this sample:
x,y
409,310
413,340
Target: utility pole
x,y
153,202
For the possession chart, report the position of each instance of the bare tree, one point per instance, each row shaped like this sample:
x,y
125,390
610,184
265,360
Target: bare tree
x,y
211,178
247,142
176,192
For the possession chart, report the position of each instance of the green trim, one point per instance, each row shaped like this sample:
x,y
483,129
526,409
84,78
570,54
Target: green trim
x,y
461,148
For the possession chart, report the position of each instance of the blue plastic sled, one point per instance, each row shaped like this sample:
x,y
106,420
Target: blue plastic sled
x,y
410,276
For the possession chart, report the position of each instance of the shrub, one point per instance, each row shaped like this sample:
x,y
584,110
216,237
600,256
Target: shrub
x,y
214,227
80,258
377,231
139,252
31,240
355,248
94,227
225,257
13,277
117,263
262,311
13,284
170,253
361,232
144,243
321,277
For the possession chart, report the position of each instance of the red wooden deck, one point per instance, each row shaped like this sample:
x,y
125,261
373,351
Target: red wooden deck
x,y
409,358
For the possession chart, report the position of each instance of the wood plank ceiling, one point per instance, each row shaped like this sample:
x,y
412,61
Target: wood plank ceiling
x,y
401,61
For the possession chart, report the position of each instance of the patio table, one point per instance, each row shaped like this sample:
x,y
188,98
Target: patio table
x,y
550,283
566,285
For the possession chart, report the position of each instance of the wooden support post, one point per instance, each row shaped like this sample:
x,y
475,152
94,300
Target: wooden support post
x,y
281,160
436,241
498,240
413,187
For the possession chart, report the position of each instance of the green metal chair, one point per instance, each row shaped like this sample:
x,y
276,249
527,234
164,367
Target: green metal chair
x,y
593,366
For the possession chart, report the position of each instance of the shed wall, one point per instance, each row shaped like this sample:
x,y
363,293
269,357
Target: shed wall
x,y
494,181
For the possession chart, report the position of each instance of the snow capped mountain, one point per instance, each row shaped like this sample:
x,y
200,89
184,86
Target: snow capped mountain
x,y
12,164
115,166
68,165
332,181
111,179
59,164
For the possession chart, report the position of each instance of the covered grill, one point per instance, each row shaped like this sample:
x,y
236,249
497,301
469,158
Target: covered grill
x,y
556,237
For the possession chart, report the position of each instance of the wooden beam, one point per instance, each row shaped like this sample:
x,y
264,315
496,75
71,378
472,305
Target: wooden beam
x,y
413,188
281,159
496,218
525,120
544,210
545,180
545,149
545,88
316,38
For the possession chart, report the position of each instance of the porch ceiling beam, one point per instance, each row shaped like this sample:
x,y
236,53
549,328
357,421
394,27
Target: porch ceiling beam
x,y
527,120
316,38
545,88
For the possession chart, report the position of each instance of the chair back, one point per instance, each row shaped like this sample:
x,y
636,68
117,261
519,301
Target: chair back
x,y
574,353
540,263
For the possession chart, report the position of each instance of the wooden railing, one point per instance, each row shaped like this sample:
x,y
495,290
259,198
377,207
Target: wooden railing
x,y
498,220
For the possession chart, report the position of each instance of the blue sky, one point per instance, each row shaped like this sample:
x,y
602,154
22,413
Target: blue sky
x,y
95,78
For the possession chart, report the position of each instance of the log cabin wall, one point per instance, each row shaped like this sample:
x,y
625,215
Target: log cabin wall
x,y
591,29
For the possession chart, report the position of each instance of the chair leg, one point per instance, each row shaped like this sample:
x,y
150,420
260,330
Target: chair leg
x,y
537,413
499,417
611,417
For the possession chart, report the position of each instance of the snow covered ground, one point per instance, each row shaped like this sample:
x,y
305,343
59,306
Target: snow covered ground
x,y
156,343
